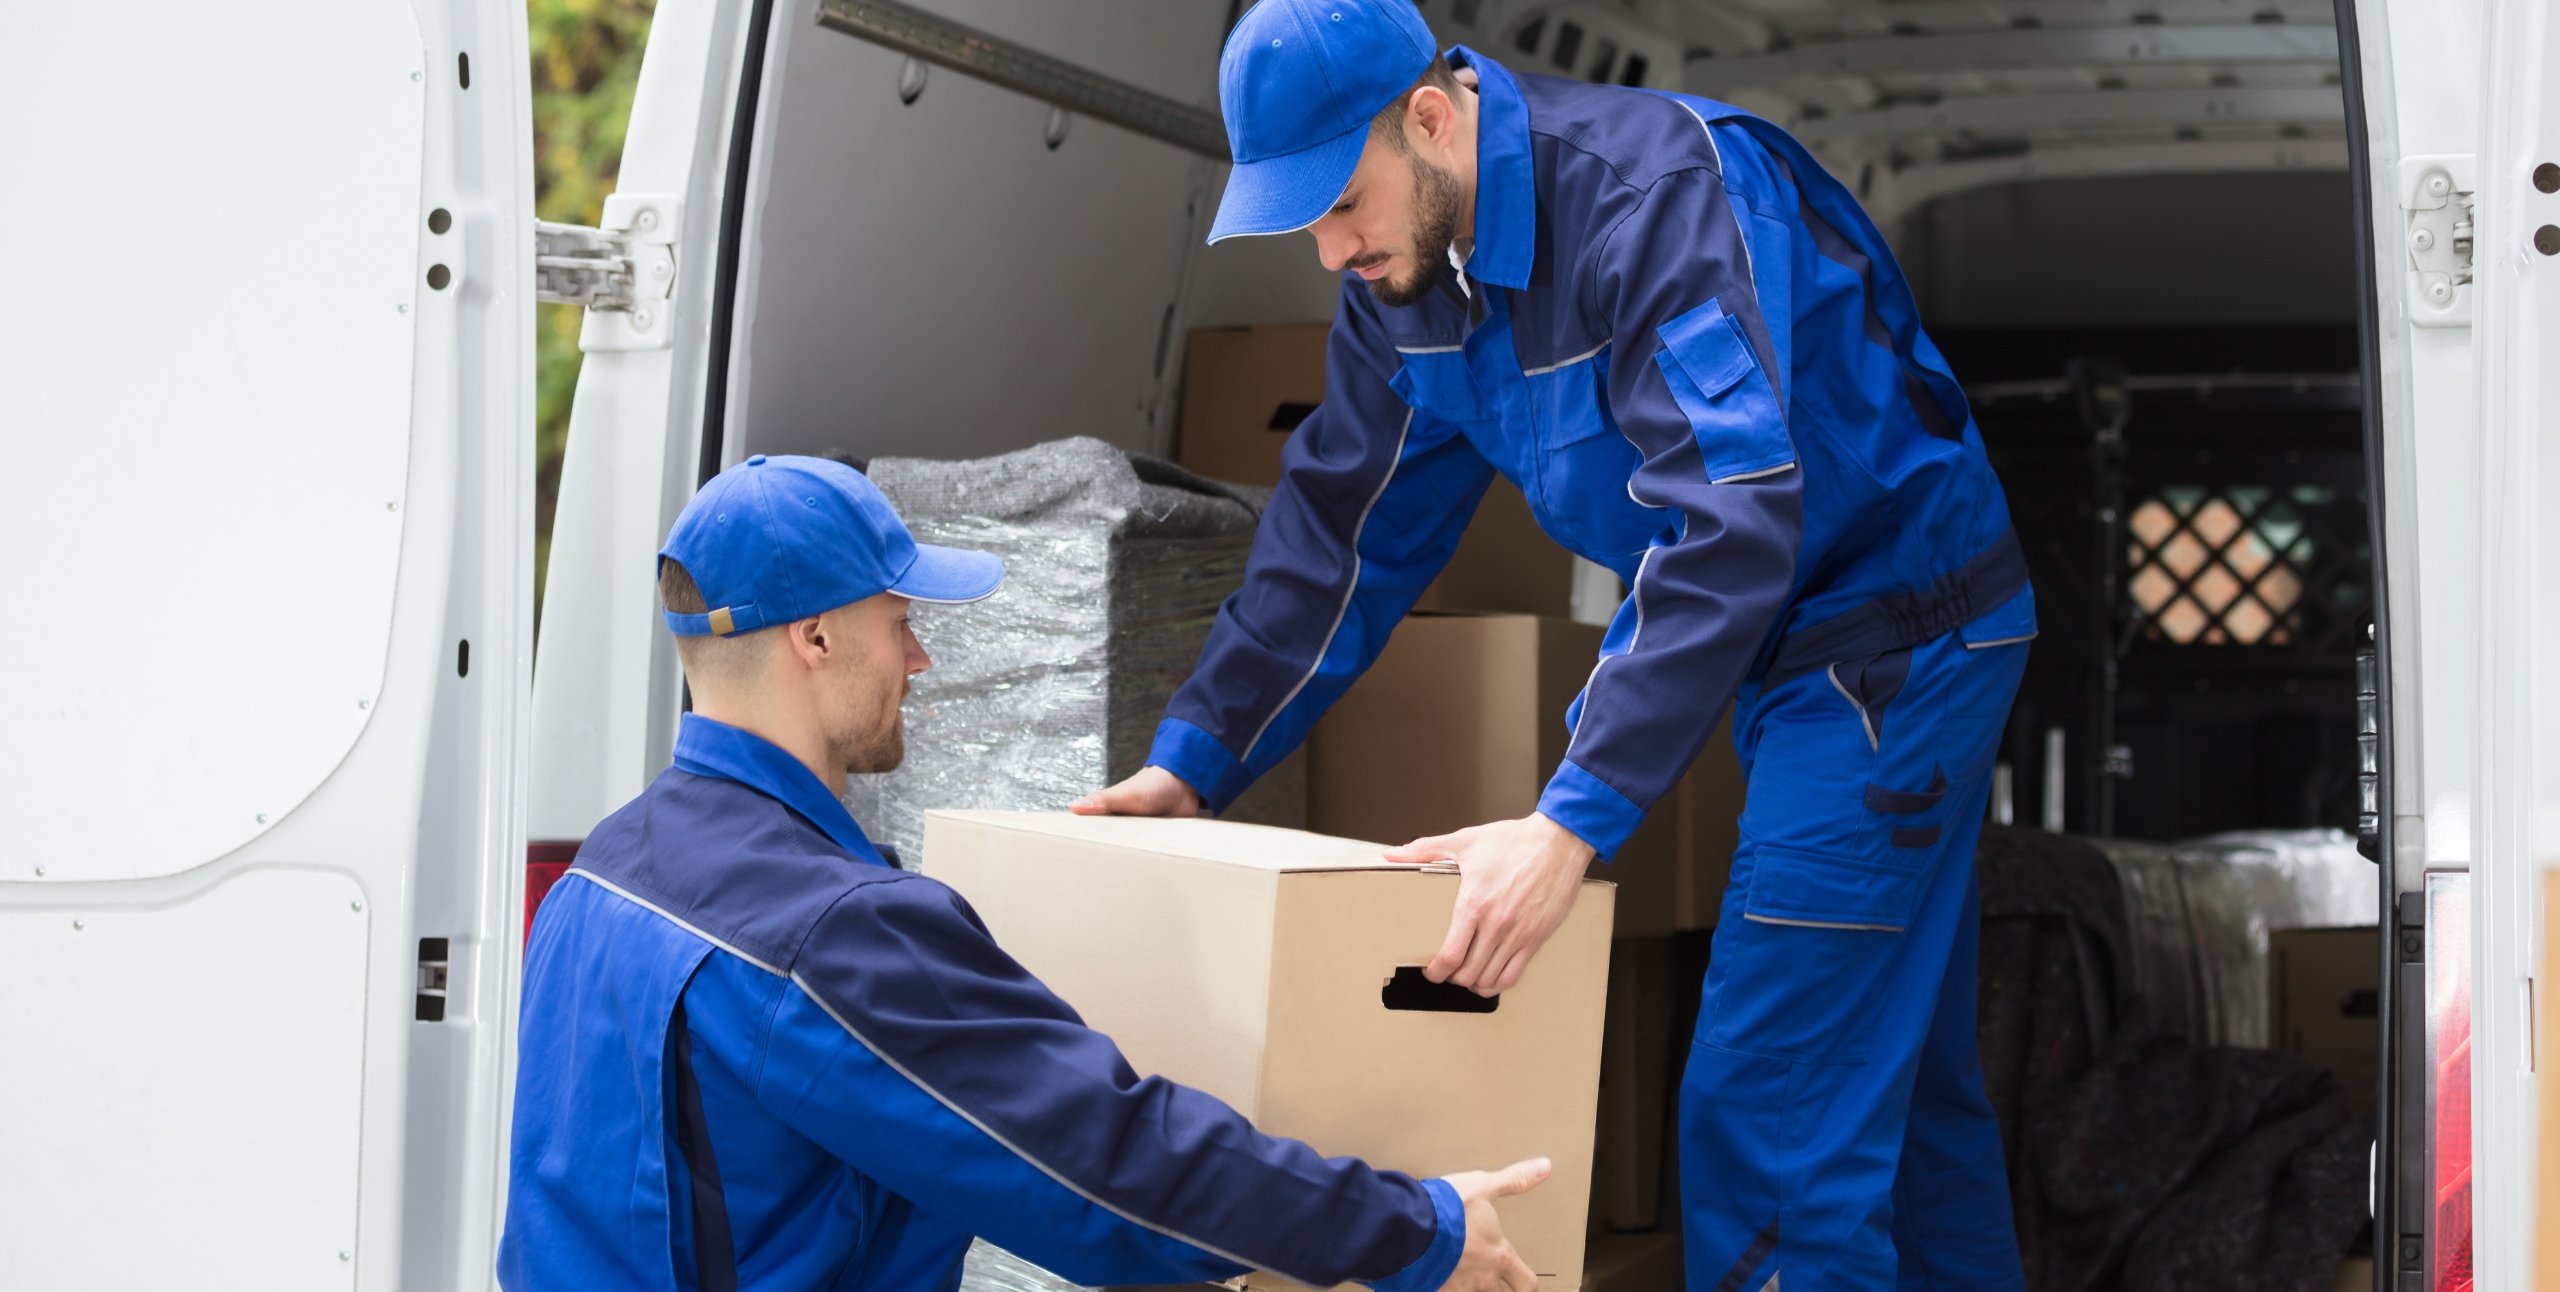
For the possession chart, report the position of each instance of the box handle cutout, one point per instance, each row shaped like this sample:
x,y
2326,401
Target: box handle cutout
x,y
1408,990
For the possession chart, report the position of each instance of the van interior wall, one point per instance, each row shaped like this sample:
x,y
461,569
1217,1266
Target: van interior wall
x,y
931,278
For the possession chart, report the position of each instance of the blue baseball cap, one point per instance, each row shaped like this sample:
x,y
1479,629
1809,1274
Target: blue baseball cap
x,y
1299,82
774,540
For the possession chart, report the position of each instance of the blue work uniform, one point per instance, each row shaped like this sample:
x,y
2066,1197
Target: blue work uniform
x,y
753,1055
1693,353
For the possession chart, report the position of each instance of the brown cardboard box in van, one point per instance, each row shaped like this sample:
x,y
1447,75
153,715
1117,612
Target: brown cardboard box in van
x,y
1245,389
1635,1086
1505,563
2322,1004
1634,1263
1279,971
1461,722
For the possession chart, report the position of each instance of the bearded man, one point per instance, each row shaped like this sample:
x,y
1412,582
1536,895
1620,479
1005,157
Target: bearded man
x,y
1659,317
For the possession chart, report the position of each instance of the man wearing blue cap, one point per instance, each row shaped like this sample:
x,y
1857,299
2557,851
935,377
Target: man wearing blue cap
x,y
754,1055
1687,345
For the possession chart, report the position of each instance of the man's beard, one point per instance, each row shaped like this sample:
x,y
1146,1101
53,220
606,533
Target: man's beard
x,y
1435,228
880,747
878,751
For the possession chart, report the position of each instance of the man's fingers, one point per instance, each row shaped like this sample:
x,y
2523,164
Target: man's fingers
x,y
1484,956
1521,1177
1439,847
1516,1274
1512,968
1090,805
1453,949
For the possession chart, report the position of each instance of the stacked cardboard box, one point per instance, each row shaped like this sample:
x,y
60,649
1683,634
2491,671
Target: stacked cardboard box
x,y
1634,1263
2323,1004
1245,389
1461,721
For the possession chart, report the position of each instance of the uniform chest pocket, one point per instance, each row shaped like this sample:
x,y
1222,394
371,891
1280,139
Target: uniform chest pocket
x,y
1436,382
1585,464
1717,381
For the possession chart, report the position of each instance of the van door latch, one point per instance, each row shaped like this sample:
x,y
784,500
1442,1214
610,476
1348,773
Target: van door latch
x,y
2436,192
623,272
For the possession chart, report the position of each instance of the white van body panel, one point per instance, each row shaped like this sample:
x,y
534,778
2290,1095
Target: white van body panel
x,y
271,437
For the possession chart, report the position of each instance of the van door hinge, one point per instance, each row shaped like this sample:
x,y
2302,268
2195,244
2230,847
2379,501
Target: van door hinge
x,y
2435,192
622,272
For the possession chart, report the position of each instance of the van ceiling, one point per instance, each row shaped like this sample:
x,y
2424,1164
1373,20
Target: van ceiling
x,y
1911,100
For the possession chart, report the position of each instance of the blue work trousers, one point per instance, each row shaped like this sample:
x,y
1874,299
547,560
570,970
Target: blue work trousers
x,y
1833,1128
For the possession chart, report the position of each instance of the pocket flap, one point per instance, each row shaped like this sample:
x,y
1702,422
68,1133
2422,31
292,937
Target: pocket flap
x,y
1708,346
1732,408
1791,887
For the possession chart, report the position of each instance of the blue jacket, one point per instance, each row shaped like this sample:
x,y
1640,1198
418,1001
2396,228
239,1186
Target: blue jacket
x,y
753,1055
1691,350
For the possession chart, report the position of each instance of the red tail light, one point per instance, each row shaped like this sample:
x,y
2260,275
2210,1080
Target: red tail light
x,y
544,864
2449,1079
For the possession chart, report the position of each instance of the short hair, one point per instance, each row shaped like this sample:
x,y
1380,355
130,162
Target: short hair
x,y
705,659
677,590
1389,123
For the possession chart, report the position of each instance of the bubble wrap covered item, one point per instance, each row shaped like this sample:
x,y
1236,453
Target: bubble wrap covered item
x,y
2199,912
1052,688
993,1269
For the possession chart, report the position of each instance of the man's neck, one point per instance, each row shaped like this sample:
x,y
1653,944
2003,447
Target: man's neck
x,y
774,724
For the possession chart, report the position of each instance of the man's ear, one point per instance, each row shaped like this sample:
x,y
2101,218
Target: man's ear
x,y
809,640
1430,114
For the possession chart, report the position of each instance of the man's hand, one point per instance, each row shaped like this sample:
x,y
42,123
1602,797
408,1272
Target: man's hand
x,y
1487,1262
1516,883
1152,792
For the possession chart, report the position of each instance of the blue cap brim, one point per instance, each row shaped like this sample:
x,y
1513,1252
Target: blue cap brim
x,y
950,575
1287,193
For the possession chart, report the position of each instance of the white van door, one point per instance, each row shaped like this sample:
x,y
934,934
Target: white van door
x,y
2516,829
2460,158
265,379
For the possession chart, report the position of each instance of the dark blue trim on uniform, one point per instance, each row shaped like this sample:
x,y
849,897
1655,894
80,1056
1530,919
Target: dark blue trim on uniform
x,y
1900,620
715,1256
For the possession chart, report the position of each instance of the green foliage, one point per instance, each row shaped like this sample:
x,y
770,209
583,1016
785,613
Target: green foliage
x,y
586,61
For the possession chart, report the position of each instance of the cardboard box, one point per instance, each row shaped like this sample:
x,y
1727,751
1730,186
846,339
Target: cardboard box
x,y
1461,722
1244,390
2323,1004
1271,968
1504,564
2356,1275
1634,1263
1636,1061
